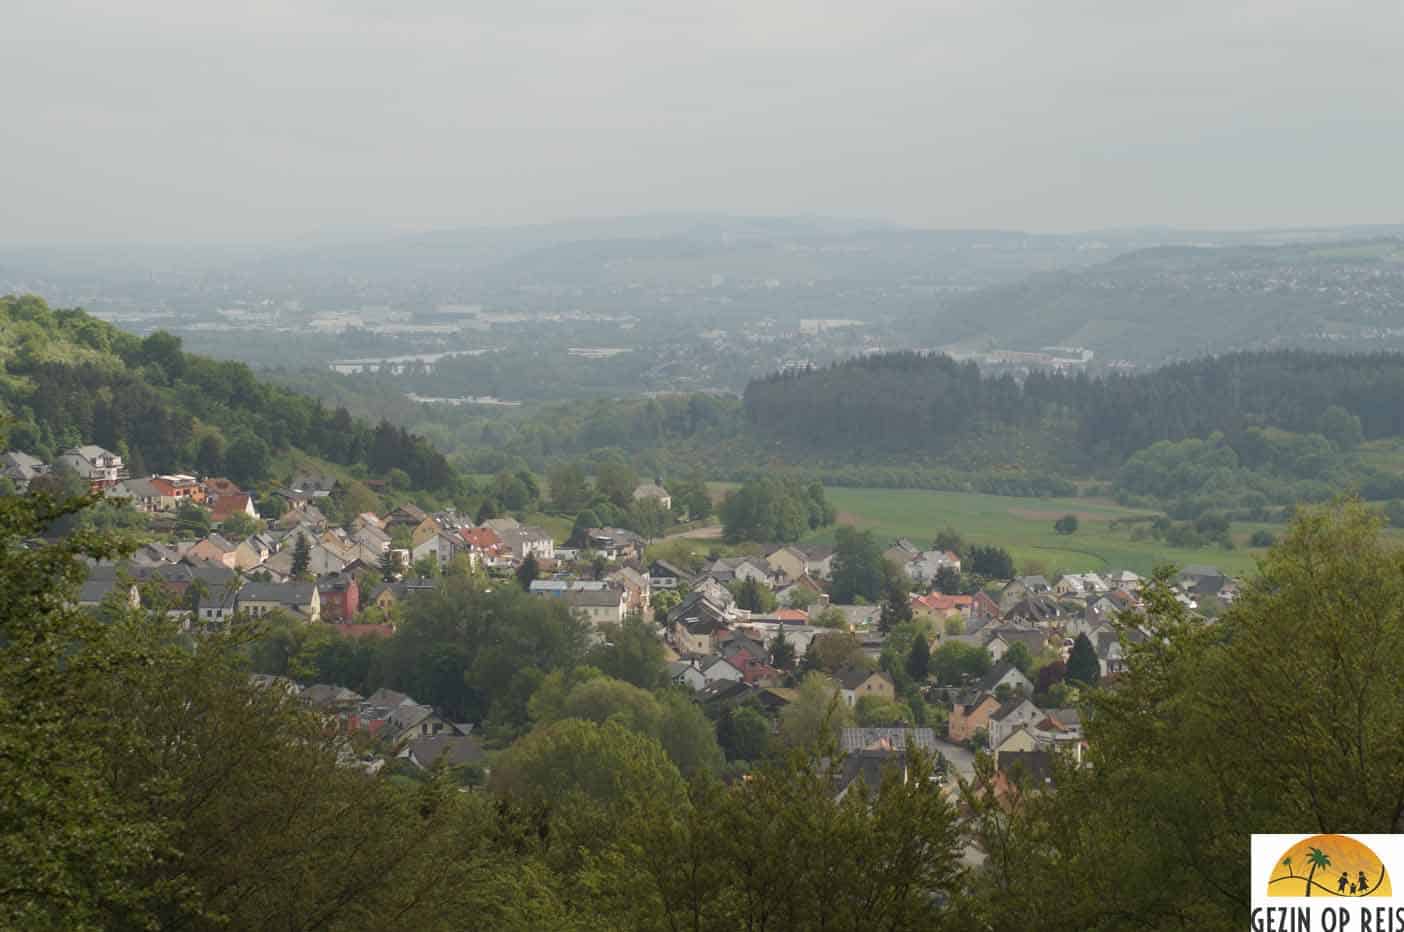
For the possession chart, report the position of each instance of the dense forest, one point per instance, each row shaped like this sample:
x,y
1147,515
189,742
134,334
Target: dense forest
x,y
70,378
1279,427
921,403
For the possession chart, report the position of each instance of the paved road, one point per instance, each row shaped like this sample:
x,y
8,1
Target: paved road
x,y
962,761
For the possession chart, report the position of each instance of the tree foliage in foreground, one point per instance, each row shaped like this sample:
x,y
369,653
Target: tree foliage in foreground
x,y
1287,715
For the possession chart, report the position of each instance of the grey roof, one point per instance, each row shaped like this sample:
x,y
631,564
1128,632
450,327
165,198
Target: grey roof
x,y
594,598
453,750
1032,638
852,677
21,466
326,694
1010,707
387,698
998,672
868,766
898,739
93,591
288,593
141,488
1035,767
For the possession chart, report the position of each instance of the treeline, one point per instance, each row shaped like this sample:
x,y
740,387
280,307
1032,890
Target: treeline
x,y
922,403
74,379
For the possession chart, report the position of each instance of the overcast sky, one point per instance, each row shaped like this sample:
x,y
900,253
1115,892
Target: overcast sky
x,y
192,120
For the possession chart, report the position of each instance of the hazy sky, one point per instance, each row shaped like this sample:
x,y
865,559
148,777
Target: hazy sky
x,y
187,119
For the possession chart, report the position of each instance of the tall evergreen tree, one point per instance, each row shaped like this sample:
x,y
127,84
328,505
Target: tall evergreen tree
x,y
302,556
1083,666
919,658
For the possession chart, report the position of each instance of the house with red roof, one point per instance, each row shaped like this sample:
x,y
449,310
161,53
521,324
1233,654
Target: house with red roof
x,y
226,506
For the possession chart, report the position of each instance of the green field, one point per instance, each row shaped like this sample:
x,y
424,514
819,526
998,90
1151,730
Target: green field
x,y
1024,526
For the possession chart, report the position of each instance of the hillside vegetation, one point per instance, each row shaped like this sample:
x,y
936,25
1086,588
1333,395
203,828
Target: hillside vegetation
x,y
1178,302
70,378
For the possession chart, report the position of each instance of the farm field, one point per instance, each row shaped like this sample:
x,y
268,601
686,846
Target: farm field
x,y
1024,526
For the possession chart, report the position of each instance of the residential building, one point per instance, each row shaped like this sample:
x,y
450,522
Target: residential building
x,y
603,606
857,682
20,468
300,599
100,468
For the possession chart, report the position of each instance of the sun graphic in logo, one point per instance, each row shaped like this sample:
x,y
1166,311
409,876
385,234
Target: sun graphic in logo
x,y
1328,865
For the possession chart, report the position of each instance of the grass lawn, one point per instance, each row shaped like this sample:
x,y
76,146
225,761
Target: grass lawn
x,y
1024,526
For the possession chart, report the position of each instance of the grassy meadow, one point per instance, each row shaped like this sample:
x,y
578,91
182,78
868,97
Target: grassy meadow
x,y
1024,526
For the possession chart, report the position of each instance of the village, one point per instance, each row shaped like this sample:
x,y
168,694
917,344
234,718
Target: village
x,y
997,671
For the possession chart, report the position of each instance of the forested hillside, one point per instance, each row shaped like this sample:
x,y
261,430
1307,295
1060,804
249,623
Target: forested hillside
x,y
922,403
1254,427
70,378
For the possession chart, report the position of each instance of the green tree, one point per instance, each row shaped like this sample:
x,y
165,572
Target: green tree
x,y
919,659
991,562
192,519
648,519
1018,654
859,570
1083,666
247,459
570,489
782,652
949,539
896,599
580,761
876,712
616,482
632,652
831,651
302,556
528,572
1067,524
752,596
954,662
815,716
743,733
392,565
238,526
583,522
489,509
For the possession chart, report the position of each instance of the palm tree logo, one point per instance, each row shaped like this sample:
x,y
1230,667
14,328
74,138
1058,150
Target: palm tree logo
x,y
1316,858
1362,873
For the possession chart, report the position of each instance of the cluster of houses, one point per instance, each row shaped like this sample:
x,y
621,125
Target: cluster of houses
x,y
304,565
724,652
393,725
301,565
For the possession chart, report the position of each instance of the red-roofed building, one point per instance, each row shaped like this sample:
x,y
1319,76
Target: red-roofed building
x,y
177,489
791,615
481,539
226,506
983,606
215,487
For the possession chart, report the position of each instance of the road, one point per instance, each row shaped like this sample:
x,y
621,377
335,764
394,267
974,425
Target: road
x,y
962,762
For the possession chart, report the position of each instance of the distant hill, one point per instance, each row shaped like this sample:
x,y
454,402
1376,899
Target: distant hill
x,y
69,378
1168,303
